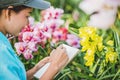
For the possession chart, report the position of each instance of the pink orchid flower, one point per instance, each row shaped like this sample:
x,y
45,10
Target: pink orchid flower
x,y
20,47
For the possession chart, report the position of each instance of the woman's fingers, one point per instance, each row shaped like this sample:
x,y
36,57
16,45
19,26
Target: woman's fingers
x,y
53,51
60,47
42,62
59,56
45,60
63,63
64,58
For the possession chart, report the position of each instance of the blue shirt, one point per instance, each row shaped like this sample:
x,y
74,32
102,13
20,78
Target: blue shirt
x,y
11,68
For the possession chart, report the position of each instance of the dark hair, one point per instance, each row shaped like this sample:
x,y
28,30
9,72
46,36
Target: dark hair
x,y
16,9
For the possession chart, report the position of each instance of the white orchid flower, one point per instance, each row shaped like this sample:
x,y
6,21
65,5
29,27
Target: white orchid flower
x,y
91,6
106,12
102,20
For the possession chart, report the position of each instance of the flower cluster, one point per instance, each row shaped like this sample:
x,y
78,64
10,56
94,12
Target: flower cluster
x,y
111,54
90,42
92,45
51,28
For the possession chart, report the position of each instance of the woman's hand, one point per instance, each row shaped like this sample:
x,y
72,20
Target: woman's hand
x,y
58,59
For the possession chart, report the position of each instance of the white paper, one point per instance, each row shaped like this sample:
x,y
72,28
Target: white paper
x,y
71,52
41,71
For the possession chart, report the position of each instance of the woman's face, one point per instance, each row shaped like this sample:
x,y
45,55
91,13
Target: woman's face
x,y
17,21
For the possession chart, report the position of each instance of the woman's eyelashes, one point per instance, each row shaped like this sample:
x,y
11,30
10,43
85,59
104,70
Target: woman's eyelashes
x,y
27,17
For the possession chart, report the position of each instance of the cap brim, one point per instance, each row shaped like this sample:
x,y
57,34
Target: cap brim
x,y
38,4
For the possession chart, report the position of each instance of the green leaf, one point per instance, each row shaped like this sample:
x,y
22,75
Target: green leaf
x,y
82,67
82,75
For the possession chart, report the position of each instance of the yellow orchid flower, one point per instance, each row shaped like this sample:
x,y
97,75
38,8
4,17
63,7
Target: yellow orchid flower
x,y
111,57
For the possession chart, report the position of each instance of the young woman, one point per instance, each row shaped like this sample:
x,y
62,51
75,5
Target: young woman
x,y
13,17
